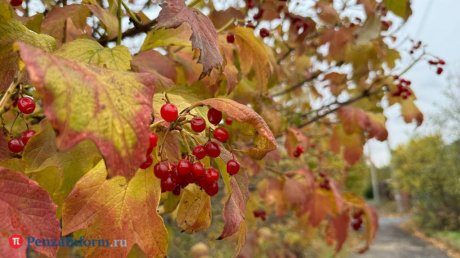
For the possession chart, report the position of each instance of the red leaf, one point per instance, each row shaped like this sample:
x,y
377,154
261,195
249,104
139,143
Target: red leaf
x,y
337,229
204,36
295,137
26,209
235,207
154,62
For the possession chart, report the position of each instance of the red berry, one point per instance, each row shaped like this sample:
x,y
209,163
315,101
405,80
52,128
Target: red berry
x,y
233,167
230,38
356,224
153,142
184,167
299,149
259,14
439,70
212,149
264,33
26,135
198,124
169,112
442,62
16,3
161,170
176,190
211,175
250,4
260,214
26,105
168,185
228,121
199,152
221,134
214,116
212,189
15,145
147,163
198,170
358,214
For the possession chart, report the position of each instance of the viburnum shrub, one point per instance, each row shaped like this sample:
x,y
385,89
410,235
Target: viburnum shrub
x,y
255,111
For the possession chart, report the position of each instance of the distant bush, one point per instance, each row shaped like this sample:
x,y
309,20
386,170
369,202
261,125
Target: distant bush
x,y
429,171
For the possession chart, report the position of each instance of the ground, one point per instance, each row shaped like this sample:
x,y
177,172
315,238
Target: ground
x,y
394,242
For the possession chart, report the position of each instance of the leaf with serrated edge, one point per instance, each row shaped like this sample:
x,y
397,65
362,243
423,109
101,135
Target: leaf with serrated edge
x,y
11,31
117,209
194,211
26,209
204,36
111,108
90,52
264,141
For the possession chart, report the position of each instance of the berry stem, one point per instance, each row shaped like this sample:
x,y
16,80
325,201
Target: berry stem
x,y
7,96
228,24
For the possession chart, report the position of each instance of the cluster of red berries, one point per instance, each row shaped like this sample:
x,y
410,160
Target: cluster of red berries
x,y
357,220
299,150
260,213
16,145
439,63
403,88
176,176
16,3
325,183
153,142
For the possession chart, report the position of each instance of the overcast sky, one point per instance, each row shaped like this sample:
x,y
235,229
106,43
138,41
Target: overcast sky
x,y
436,24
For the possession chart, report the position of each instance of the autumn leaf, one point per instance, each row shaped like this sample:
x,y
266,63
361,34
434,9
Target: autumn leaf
x,y
401,8
26,209
235,209
163,37
338,40
111,108
57,171
410,112
162,67
337,82
337,229
356,120
204,36
117,209
108,19
327,13
264,140
194,210
295,137
254,55
12,31
58,19
90,52
351,145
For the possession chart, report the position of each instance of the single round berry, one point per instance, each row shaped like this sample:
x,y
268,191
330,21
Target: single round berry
x,y
221,134
356,224
199,152
26,135
161,170
168,185
184,167
212,189
233,167
26,105
228,121
260,214
212,149
198,124
198,170
264,33
250,4
153,142
147,163
230,38
15,145
169,112
214,116
440,70
16,3
212,175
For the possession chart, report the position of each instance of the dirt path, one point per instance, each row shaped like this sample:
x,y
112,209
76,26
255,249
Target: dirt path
x,y
393,242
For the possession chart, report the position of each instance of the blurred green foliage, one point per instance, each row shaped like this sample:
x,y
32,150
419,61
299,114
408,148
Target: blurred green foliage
x,y
429,171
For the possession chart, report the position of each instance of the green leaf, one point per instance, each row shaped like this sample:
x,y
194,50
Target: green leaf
x,y
111,108
117,209
401,8
91,52
163,37
12,31
54,170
